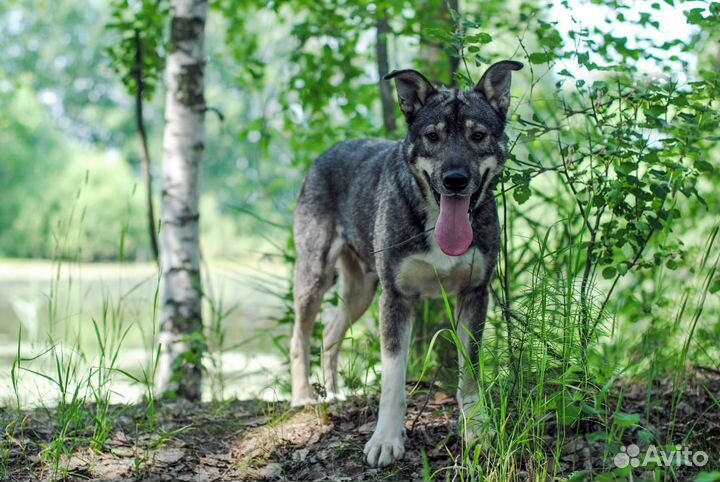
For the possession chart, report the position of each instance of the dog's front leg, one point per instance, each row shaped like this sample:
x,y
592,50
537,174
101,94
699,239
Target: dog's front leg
x,y
470,313
387,443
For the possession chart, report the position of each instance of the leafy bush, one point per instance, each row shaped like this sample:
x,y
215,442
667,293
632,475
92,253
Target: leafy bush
x,y
88,211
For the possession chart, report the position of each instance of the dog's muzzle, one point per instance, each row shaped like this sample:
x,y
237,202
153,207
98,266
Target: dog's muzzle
x,y
456,182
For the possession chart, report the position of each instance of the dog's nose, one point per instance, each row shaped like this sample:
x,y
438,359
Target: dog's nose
x,y
455,180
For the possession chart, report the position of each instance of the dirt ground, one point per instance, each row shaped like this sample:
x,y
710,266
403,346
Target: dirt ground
x,y
251,440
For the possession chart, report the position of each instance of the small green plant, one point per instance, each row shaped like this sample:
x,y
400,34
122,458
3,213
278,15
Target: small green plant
x,y
70,412
109,336
216,334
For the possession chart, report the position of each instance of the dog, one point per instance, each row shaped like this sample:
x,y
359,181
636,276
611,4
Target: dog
x,y
412,215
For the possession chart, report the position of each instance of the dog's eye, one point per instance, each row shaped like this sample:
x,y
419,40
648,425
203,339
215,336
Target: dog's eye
x,y
432,136
478,136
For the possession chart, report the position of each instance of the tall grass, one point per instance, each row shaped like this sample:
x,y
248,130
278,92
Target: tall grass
x,y
82,360
547,381
81,371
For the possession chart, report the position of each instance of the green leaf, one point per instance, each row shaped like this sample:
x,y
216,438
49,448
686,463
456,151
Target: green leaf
x,y
601,436
539,58
704,166
521,194
589,409
645,436
715,285
660,190
708,477
568,412
480,38
609,272
581,476
626,420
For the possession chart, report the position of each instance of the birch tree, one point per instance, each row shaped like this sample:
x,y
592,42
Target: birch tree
x,y
181,326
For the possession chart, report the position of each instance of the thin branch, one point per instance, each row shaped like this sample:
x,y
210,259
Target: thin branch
x,y
144,152
565,172
506,275
631,265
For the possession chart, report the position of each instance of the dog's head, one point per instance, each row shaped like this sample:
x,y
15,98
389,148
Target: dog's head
x,y
456,144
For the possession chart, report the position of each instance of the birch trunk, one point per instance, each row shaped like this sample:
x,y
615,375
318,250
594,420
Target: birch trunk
x,y
181,339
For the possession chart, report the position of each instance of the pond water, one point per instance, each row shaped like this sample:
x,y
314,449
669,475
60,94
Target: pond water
x,y
46,304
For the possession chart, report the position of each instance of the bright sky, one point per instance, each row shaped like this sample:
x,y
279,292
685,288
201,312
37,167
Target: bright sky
x,y
583,14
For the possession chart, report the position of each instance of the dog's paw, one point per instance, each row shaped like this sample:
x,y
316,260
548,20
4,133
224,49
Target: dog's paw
x,y
383,449
303,402
472,430
474,424
333,397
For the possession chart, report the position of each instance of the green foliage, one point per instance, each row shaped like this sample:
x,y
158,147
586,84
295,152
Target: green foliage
x,y
56,50
43,177
66,219
58,99
25,136
139,26
330,87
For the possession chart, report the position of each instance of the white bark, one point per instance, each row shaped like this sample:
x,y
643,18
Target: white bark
x,y
181,327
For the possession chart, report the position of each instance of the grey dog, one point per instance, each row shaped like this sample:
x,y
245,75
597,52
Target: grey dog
x,y
413,215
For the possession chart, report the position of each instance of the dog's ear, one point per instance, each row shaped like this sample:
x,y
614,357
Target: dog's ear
x,y
413,90
495,84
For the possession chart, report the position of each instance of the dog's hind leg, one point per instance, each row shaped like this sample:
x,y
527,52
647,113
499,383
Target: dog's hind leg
x,y
357,290
317,247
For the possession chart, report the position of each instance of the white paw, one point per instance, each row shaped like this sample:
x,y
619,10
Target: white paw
x,y
470,429
302,402
383,449
474,423
333,397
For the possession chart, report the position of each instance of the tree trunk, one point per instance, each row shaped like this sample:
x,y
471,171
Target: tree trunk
x,y
181,329
453,5
386,93
437,65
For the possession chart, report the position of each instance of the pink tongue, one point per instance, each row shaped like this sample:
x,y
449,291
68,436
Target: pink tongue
x,y
453,232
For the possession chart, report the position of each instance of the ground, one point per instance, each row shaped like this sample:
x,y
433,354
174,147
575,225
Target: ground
x,y
253,440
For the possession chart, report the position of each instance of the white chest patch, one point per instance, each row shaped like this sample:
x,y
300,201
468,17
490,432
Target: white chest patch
x,y
422,274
